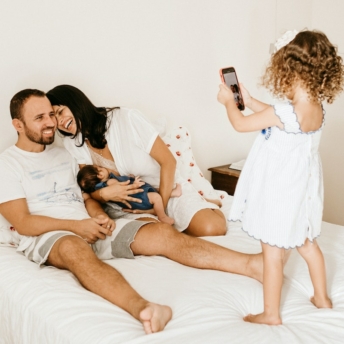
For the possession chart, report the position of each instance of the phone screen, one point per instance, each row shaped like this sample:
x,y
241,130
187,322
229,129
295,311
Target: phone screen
x,y
231,80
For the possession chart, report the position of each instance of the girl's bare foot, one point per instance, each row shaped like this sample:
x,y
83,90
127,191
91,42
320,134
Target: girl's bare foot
x,y
166,219
155,317
263,318
321,303
177,191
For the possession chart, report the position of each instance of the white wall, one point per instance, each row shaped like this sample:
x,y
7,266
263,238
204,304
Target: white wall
x,y
328,16
161,57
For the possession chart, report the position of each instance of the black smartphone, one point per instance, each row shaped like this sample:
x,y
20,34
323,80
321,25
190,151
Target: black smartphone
x,y
229,77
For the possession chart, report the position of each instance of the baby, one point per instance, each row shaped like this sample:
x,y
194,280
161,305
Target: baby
x,y
91,178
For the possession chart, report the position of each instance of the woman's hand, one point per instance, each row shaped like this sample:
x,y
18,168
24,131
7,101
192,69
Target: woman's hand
x,y
138,180
225,95
121,192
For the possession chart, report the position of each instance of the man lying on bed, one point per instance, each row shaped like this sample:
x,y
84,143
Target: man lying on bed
x,y
41,199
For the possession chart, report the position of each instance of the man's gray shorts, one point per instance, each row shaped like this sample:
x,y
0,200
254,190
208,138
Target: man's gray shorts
x,y
115,246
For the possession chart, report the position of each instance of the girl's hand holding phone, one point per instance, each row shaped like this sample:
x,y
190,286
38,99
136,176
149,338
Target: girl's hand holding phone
x,y
225,95
246,95
229,78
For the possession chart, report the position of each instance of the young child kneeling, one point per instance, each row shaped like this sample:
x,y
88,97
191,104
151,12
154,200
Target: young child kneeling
x,y
91,178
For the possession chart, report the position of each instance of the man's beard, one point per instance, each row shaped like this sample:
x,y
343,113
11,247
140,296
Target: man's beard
x,y
35,137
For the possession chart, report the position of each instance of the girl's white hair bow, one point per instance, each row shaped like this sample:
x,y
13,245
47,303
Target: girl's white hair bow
x,y
286,38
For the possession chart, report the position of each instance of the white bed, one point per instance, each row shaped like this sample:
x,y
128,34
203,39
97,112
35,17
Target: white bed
x,y
47,305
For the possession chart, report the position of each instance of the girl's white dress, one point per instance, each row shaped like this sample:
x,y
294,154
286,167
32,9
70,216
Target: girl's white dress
x,y
279,196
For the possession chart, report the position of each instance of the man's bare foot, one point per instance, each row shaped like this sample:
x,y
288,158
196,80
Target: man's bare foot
x,y
254,267
262,318
321,303
155,317
177,191
166,219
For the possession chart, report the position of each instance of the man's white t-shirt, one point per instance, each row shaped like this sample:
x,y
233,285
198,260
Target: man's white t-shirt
x,y
47,181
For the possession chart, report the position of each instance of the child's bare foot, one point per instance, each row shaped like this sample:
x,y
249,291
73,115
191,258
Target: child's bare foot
x,y
166,219
215,201
263,318
155,317
177,191
321,303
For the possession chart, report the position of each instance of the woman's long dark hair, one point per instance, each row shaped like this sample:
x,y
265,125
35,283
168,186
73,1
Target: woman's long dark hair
x,y
90,120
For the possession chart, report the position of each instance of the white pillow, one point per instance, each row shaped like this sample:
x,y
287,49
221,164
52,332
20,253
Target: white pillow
x,y
8,235
178,140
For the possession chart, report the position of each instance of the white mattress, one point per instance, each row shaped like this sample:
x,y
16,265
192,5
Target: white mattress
x,y
47,305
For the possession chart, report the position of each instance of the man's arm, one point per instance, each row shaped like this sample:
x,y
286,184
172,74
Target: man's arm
x,y
17,213
95,210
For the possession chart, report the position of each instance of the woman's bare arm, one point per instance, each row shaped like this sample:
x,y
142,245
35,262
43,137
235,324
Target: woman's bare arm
x,y
168,164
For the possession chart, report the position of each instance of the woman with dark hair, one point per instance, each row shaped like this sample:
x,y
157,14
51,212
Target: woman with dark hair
x,y
125,141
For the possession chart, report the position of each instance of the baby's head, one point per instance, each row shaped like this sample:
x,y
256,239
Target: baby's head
x,y
309,60
90,175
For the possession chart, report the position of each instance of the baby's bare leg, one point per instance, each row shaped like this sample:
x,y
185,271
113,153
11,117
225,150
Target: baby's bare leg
x,y
215,201
177,191
156,200
273,258
314,258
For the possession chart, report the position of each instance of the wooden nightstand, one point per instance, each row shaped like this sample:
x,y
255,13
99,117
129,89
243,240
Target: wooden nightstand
x,y
224,178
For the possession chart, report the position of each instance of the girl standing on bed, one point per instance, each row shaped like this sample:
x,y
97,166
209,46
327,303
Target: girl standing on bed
x,y
279,197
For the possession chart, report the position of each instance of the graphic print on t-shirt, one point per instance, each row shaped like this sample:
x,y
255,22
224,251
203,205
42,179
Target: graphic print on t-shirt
x,y
59,190
66,195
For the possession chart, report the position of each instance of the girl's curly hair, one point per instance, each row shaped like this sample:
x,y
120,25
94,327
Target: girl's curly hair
x,y
310,58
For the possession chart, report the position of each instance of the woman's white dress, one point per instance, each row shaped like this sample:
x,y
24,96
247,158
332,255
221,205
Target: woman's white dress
x,y
130,138
279,196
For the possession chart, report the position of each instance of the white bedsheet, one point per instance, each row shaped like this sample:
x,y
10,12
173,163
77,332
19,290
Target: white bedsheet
x,y
47,305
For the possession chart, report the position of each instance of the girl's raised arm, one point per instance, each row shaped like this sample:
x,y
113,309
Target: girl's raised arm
x,y
253,104
262,119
